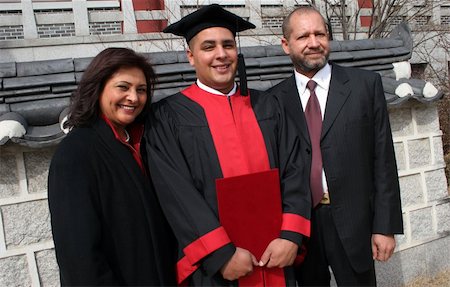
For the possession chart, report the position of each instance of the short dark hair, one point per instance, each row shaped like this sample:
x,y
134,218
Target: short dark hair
x,y
84,107
286,27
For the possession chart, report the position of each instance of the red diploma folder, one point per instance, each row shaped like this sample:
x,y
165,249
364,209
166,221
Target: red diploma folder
x,y
250,209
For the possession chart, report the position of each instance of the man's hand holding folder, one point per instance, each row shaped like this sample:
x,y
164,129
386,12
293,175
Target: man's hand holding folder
x,y
280,253
240,265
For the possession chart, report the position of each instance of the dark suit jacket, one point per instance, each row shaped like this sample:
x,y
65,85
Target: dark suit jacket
x,y
107,225
358,158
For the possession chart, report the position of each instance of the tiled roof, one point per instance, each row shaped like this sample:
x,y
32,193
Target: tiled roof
x,y
34,95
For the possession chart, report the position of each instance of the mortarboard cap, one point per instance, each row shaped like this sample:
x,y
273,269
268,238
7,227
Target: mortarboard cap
x,y
206,17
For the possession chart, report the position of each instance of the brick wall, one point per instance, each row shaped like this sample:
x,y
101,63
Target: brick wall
x,y
11,32
445,20
272,22
105,28
56,30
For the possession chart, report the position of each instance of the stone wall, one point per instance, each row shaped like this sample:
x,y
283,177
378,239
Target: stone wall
x,y
26,248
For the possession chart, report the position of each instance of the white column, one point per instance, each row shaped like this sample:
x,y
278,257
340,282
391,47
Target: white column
x,y
255,16
289,5
80,17
173,10
28,20
129,18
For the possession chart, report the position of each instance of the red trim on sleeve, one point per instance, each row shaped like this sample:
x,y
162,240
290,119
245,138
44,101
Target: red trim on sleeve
x,y
199,249
296,223
206,244
184,270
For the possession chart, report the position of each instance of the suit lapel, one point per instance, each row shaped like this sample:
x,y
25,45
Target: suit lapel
x,y
337,96
294,104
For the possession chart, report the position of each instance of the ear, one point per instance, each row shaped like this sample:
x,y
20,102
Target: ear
x,y
190,57
285,45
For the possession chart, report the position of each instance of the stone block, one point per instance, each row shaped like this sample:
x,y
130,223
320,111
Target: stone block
x,y
438,150
14,271
437,256
37,164
26,223
37,81
436,184
47,268
419,153
403,238
44,67
411,190
400,157
422,261
443,217
401,121
9,176
7,70
389,273
427,119
421,224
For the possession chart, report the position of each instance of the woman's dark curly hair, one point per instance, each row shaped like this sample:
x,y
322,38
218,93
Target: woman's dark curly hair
x,y
84,107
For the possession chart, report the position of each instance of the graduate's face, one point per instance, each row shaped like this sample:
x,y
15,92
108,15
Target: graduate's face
x,y
124,96
213,54
307,44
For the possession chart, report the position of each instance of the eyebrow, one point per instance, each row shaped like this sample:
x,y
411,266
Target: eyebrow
x,y
126,82
226,41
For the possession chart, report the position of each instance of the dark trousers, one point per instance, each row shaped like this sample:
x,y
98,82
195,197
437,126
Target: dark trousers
x,y
325,249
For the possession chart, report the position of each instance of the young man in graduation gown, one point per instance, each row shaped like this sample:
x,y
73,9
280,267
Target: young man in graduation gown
x,y
213,130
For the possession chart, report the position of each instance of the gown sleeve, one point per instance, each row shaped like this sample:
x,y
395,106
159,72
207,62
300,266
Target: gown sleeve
x,y
296,197
203,241
75,219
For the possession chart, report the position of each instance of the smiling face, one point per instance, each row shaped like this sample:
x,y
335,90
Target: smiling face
x,y
124,96
213,54
307,43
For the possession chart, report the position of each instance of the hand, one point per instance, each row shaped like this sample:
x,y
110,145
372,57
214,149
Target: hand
x,y
239,265
382,246
279,253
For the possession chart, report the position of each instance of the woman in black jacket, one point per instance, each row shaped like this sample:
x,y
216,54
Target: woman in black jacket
x,y
107,224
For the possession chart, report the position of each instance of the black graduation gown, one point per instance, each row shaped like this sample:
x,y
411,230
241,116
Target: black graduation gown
x,y
107,224
184,166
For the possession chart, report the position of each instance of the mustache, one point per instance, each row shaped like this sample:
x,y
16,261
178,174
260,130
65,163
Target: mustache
x,y
314,51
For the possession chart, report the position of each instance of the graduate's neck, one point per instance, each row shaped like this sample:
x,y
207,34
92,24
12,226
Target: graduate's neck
x,y
211,90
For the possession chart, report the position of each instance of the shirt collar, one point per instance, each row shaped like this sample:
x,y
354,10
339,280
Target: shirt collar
x,y
216,92
322,78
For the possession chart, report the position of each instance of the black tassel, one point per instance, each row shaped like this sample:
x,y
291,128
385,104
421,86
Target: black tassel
x,y
242,75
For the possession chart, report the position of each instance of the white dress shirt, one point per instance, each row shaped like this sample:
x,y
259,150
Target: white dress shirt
x,y
322,78
216,92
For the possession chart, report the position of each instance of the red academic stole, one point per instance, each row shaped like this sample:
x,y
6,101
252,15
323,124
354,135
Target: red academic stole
x,y
241,150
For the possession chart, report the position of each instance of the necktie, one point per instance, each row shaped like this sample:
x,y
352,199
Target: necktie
x,y
314,122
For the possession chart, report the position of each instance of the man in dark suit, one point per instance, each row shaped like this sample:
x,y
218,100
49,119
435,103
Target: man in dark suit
x,y
347,143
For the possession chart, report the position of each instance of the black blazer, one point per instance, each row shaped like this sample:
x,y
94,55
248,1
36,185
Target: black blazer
x,y
358,158
107,225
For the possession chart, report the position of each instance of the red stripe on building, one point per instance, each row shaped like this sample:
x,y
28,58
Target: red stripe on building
x,y
366,21
149,26
365,3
